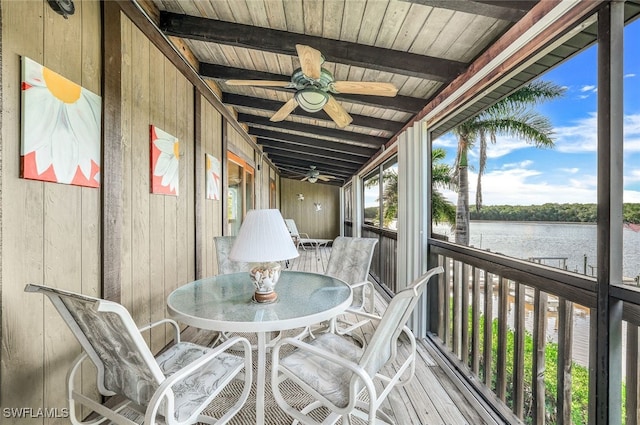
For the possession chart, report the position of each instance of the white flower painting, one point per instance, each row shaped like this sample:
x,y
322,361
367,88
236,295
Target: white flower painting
x,y
165,162
60,128
213,177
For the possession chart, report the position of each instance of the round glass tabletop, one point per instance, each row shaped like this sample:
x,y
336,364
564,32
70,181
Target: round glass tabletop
x,y
225,303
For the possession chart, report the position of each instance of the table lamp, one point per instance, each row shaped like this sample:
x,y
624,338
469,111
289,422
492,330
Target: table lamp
x,y
263,241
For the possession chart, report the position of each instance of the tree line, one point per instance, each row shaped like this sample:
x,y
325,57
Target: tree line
x,y
580,213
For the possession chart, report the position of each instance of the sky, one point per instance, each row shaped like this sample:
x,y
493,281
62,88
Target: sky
x,y
519,174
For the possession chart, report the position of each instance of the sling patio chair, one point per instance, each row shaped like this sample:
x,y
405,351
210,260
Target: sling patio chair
x,y
301,240
172,388
349,261
341,376
223,246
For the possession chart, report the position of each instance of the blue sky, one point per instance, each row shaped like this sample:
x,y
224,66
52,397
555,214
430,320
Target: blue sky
x,y
519,174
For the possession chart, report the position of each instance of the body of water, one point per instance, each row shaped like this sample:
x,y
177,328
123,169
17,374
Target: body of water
x,y
525,240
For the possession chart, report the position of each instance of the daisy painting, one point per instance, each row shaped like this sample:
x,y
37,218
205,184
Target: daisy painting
x,y
165,166
213,177
60,128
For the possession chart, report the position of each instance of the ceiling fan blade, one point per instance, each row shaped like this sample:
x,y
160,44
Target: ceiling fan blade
x,y
310,61
305,178
365,87
259,83
337,113
324,178
284,112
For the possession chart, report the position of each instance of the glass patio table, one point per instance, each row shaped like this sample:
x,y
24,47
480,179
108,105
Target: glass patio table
x,y
224,303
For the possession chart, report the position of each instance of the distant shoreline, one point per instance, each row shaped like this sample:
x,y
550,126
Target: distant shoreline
x,y
533,221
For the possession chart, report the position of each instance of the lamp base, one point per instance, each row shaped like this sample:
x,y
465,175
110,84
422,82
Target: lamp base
x,y
265,297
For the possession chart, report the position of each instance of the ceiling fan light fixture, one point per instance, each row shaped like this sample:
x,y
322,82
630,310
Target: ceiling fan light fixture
x,y
312,179
311,99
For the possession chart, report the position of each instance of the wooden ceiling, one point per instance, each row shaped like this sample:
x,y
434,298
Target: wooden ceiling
x,y
419,45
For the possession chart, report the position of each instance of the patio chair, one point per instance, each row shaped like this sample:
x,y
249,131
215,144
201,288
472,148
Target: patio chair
x,y
341,376
172,388
350,260
299,239
222,245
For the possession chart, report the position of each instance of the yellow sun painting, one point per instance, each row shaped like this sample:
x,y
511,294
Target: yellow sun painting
x,y
60,128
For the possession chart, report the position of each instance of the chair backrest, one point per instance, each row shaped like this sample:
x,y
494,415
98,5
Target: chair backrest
x,y
291,226
223,246
383,344
350,260
112,341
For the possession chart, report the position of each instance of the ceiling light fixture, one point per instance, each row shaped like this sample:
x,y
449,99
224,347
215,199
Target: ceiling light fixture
x,y
311,99
312,179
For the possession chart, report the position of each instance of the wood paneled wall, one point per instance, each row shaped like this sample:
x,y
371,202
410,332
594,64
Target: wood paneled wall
x,y
60,235
50,232
211,141
158,231
323,224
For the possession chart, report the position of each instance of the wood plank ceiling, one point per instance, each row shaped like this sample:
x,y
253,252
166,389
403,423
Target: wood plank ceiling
x,y
420,46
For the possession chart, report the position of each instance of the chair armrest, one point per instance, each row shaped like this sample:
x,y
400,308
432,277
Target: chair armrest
x,y
306,235
161,322
364,303
166,385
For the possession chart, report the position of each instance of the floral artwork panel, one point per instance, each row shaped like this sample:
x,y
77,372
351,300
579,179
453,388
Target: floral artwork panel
x,y
165,162
61,124
213,168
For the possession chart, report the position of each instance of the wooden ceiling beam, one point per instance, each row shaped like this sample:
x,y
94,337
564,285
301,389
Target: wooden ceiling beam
x,y
511,11
336,159
304,162
283,42
273,137
365,139
312,150
300,171
272,105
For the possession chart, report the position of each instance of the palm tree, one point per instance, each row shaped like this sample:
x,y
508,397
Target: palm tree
x,y
441,177
512,116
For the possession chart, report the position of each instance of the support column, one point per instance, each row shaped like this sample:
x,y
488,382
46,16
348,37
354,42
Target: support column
x,y
608,367
414,214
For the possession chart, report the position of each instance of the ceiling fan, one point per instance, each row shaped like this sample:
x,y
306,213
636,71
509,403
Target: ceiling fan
x,y
314,86
313,175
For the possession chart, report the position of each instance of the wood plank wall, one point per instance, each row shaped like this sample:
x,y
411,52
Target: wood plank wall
x,y
324,224
158,231
211,142
51,233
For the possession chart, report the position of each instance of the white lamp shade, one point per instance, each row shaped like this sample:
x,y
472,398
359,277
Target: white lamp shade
x,y
263,237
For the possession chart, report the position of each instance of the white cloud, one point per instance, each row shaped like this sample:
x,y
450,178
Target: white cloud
x,y
569,170
513,186
630,75
589,88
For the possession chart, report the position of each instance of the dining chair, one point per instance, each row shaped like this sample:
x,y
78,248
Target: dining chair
x,y
341,376
222,246
350,260
173,387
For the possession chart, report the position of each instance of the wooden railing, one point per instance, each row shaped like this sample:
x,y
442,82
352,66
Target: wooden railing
x,y
523,335
383,264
